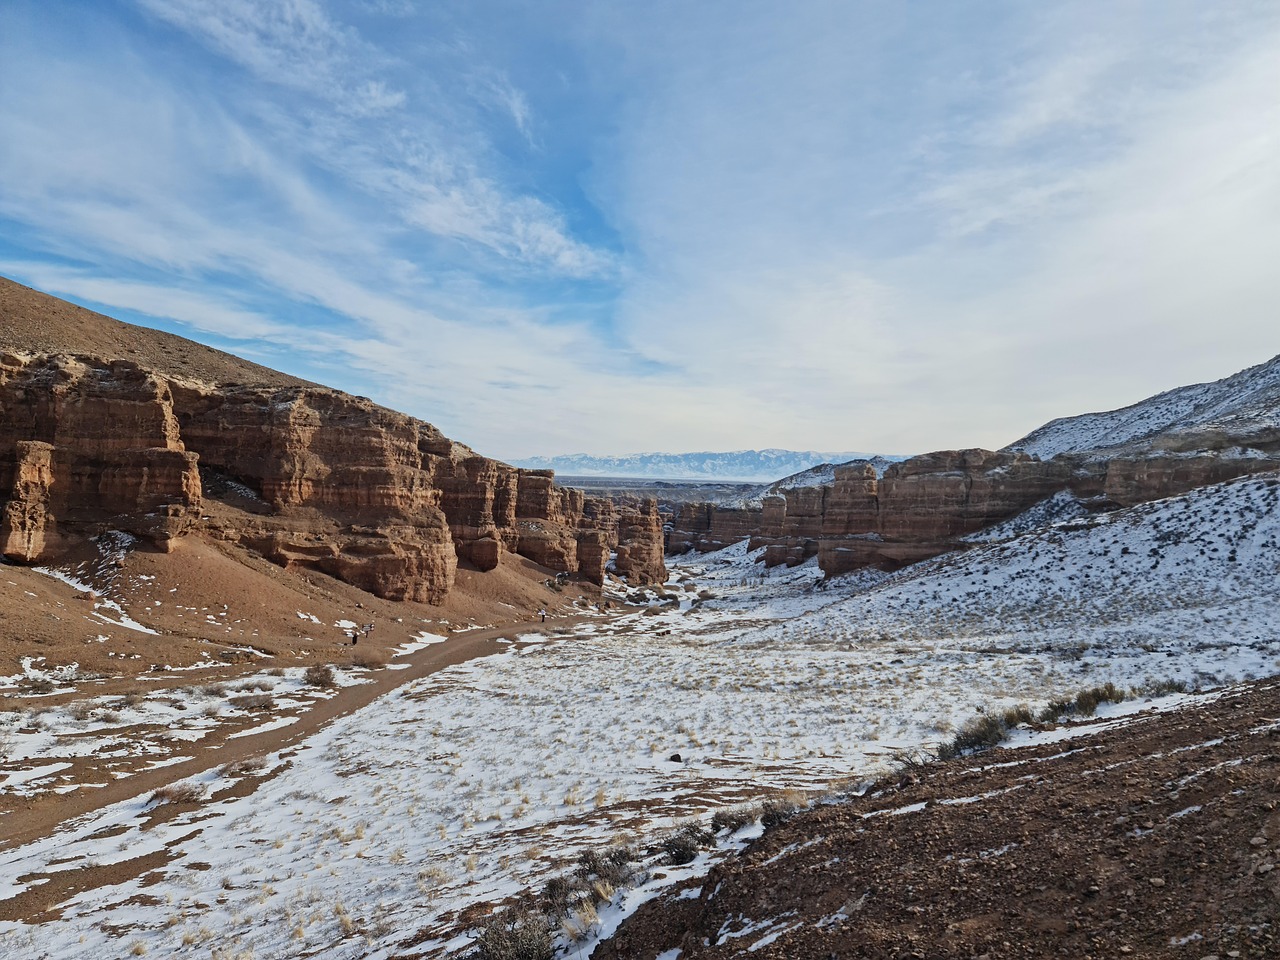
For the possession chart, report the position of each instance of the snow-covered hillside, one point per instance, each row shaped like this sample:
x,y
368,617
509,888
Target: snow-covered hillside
x,y
759,466
1171,577
824,474
1241,405
372,838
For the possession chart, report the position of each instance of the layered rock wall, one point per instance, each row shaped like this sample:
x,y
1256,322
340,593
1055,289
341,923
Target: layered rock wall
x,y
370,496
639,555
706,527
91,445
921,507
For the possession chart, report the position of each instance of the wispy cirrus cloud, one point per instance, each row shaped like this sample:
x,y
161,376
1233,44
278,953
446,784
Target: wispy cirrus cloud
x,y
429,163
611,227
293,43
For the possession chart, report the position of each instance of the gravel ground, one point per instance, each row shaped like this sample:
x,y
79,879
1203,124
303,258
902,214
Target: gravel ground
x,y
1155,837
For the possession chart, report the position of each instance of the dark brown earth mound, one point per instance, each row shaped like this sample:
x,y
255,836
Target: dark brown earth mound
x,y
1155,837
34,322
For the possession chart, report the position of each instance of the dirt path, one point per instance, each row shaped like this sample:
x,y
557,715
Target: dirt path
x,y
44,815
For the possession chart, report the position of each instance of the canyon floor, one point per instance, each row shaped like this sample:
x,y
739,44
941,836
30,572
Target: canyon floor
x,y
467,764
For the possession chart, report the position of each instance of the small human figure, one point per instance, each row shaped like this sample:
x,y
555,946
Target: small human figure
x,y
543,614
355,637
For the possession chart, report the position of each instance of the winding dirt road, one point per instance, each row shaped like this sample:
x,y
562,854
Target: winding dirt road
x,y
41,817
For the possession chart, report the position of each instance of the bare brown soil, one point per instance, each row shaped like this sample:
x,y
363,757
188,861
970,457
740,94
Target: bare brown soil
x,y
1159,837
214,602
35,322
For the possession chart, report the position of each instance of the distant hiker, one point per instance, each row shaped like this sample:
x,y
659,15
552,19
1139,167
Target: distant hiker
x,y
543,614
355,637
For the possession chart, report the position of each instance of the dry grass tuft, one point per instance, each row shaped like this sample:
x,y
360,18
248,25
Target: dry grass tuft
x,y
241,768
369,660
178,793
253,701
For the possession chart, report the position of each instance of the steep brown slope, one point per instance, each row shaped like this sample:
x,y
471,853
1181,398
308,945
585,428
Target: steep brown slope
x,y
1157,838
36,323
311,477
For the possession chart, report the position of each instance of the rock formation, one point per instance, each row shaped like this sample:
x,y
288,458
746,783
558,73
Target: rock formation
x,y
640,547
338,484
922,507
89,443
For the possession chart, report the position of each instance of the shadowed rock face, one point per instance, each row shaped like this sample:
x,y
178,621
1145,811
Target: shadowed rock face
x,y
922,507
706,527
368,495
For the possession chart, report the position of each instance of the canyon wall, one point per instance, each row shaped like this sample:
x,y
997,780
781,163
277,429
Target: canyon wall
x,y
921,507
320,480
82,443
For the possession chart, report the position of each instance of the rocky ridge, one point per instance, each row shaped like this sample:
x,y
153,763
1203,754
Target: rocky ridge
x,y
870,515
307,476
1239,409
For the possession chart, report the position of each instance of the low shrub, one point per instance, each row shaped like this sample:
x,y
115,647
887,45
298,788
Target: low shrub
x,y
369,660
685,844
240,768
613,865
774,813
1083,704
559,894
253,701
132,698
989,730
1087,701
1016,716
980,733
1162,687
734,819
516,933
320,675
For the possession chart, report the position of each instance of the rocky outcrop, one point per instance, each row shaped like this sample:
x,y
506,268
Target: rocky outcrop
x,y
28,525
1132,480
639,555
90,446
706,526
922,507
338,484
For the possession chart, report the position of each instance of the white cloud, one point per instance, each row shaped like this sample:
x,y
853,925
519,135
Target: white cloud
x,y
838,226
290,42
427,164
1095,232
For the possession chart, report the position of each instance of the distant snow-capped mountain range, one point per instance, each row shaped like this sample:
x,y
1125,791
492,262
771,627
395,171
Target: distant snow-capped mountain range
x,y
748,466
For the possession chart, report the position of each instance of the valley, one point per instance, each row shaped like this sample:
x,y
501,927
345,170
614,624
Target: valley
x,y
285,673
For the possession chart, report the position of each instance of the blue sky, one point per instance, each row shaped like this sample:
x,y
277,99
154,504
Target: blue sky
x,y
612,227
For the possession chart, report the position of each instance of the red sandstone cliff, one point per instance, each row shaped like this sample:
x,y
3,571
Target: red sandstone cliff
x,y
329,481
1166,445
920,507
